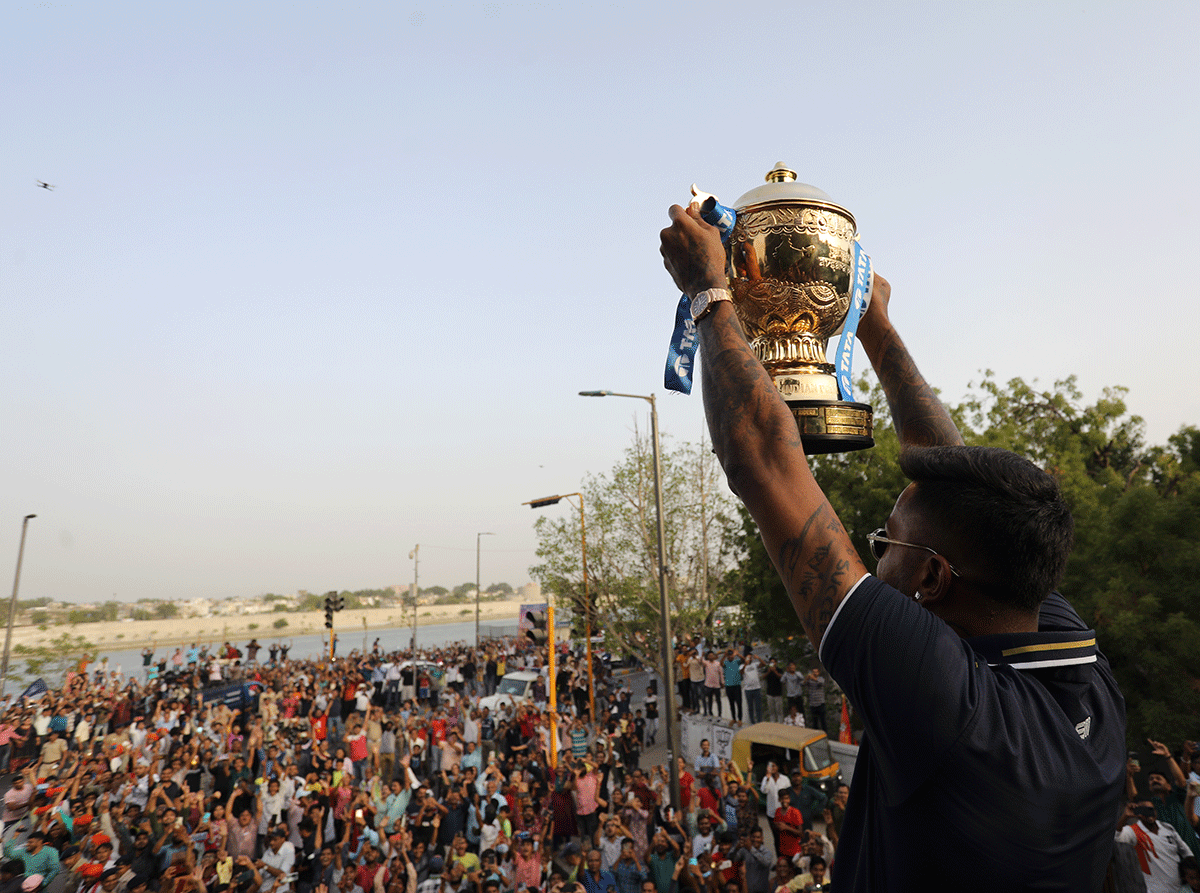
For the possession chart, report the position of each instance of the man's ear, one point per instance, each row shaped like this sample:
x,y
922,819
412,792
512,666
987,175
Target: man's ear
x,y
935,582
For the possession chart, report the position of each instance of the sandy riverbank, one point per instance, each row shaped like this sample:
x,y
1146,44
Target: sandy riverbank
x,y
241,627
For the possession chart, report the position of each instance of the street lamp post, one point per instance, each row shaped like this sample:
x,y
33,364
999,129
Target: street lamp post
x,y
672,721
478,536
415,559
12,605
587,602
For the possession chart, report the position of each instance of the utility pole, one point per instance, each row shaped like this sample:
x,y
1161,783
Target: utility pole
x,y
12,605
415,590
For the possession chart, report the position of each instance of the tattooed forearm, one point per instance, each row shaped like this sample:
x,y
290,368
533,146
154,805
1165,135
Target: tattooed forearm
x,y
746,415
758,443
816,578
919,416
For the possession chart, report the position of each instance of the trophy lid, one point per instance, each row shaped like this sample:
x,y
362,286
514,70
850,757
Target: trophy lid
x,y
782,187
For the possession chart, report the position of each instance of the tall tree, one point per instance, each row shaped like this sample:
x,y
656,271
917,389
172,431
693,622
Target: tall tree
x,y
622,542
1135,571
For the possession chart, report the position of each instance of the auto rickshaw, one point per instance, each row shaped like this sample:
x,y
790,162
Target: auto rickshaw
x,y
791,747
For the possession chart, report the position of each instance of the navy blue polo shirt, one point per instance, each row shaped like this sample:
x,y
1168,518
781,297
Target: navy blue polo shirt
x,y
994,763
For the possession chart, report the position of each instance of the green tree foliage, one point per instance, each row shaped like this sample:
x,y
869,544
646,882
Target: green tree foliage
x,y
52,660
310,602
501,589
165,610
23,604
109,611
701,526
1135,571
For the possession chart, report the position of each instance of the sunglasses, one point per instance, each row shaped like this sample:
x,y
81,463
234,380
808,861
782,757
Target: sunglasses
x,y
878,544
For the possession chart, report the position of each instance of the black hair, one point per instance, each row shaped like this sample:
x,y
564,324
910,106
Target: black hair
x,y
816,860
1003,510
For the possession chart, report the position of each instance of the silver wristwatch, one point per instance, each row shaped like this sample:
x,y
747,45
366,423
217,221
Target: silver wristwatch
x,y
704,301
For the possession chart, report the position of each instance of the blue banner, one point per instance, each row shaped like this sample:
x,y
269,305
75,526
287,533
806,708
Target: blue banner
x,y
35,690
681,353
859,293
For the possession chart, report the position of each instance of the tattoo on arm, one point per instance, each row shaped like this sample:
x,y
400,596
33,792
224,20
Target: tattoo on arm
x,y
815,578
740,400
919,416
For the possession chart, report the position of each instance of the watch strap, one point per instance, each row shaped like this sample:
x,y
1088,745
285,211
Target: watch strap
x,y
704,301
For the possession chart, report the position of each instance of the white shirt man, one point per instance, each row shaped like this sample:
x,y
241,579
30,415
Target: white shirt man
x,y
773,782
751,681
281,856
362,698
1159,847
470,728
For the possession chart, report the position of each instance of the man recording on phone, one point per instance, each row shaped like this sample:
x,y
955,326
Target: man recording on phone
x,y
992,723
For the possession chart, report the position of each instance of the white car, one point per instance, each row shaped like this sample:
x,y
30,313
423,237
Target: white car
x,y
513,688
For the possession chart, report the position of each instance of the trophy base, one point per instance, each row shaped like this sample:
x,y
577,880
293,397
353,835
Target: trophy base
x,y
833,426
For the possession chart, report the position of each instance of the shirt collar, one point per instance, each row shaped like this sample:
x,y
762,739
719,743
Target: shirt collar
x,y
1034,651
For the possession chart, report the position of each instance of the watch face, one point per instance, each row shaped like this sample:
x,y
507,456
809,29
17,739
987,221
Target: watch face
x,y
700,304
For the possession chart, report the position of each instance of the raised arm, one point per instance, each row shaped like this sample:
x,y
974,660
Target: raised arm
x,y
918,415
757,442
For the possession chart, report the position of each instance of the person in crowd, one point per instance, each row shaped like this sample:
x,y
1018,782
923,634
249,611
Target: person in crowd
x,y
1160,850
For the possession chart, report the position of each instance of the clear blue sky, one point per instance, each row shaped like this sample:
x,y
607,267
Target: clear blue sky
x,y
318,284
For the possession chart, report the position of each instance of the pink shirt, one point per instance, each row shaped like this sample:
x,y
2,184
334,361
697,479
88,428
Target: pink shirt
x,y
16,803
241,840
527,872
586,789
712,674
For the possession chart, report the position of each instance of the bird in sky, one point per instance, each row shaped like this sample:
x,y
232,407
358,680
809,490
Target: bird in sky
x,y
44,184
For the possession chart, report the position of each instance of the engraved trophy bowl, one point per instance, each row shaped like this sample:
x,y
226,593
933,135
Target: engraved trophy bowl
x,y
790,268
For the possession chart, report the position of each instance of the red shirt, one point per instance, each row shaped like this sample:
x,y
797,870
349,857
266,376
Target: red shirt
x,y
709,800
685,789
320,727
789,843
365,876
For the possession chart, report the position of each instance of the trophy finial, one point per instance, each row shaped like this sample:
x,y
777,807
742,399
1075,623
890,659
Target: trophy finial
x,y
780,173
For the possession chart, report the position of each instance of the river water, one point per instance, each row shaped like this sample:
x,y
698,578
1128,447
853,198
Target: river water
x,y
317,644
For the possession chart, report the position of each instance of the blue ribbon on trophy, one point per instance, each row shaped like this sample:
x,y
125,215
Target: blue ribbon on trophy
x,y
681,354
860,296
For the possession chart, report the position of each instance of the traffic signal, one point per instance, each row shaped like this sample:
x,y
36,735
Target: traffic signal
x,y
537,632
339,602
329,612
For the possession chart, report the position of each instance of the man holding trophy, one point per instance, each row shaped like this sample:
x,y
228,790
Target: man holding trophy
x,y
993,753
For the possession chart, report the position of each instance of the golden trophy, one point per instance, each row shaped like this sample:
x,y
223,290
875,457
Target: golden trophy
x,y
791,267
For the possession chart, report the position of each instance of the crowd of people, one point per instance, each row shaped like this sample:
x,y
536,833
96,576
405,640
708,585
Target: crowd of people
x,y
745,677
237,769
377,773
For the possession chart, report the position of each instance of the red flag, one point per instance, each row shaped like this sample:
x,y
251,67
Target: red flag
x,y
844,734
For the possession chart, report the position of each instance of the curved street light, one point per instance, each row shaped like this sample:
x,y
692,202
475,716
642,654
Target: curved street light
x,y
587,602
671,719
478,537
